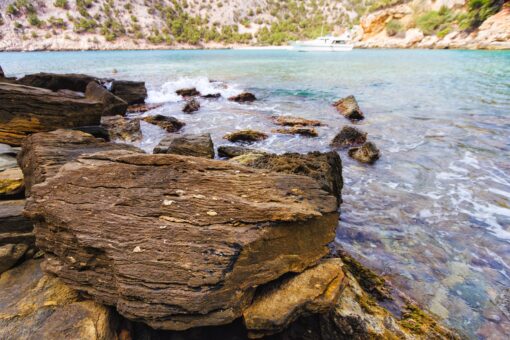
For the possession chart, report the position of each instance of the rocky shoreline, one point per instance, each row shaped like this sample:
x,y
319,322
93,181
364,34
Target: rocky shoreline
x,y
101,240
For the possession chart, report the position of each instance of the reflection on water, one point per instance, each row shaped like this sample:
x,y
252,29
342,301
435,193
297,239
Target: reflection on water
x,y
433,213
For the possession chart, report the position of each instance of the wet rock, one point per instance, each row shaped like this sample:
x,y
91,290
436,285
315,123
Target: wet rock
x,y
43,154
313,291
10,254
96,131
112,105
25,110
348,136
243,97
187,145
191,106
226,228
14,227
132,92
246,136
37,306
2,74
55,82
349,108
211,96
189,92
142,108
227,151
367,153
325,168
298,130
122,129
170,124
11,183
295,121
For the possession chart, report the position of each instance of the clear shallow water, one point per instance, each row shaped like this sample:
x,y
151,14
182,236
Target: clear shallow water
x,y
433,213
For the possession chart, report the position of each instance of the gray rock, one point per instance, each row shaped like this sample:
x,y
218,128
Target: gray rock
x,y
187,145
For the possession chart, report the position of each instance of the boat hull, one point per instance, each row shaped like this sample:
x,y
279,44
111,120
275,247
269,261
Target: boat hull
x,y
329,48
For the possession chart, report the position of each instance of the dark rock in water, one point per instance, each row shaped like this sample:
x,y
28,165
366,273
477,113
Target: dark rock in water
x,y
298,130
14,227
325,168
132,92
227,151
349,108
142,108
96,131
367,153
295,121
246,136
2,74
190,92
191,106
25,110
43,154
170,124
187,145
177,242
112,105
123,129
10,254
55,82
349,136
11,183
243,97
212,96
37,306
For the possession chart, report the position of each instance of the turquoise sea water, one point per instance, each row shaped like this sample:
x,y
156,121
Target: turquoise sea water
x,y
433,214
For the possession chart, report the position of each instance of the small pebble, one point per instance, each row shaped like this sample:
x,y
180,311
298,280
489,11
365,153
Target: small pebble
x,y
212,213
137,249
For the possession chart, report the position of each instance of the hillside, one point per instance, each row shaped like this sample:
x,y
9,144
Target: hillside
x,y
145,24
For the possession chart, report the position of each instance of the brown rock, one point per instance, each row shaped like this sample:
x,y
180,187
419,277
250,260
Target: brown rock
x,y
177,242
142,108
37,306
191,106
10,254
299,130
170,124
14,227
349,108
11,183
96,131
2,74
349,136
246,136
43,154
313,291
25,110
187,145
55,82
112,105
295,121
211,96
190,92
367,153
243,97
132,92
122,129
227,151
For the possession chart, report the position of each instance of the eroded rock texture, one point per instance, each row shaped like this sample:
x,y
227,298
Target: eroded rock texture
x,y
56,82
122,129
132,92
14,227
25,110
112,105
174,241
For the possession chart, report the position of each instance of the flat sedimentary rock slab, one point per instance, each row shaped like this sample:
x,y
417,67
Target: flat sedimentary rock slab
x,y
14,227
174,241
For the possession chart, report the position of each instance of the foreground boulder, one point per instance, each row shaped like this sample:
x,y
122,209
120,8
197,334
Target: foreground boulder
x,y
14,227
348,136
367,153
56,82
246,136
177,242
112,105
132,92
42,154
170,124
122,129
37,306
349,108
243,97
25,110
187,145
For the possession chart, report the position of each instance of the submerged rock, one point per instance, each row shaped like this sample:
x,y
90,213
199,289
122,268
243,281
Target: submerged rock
x,y
227,151
246,136
191,106
123,129
14,227
298,130
10,254
189,92
118,217
25,110
11,183
187,145
170,124
56,82
112,105
348,136
243,97
349,108
367,153
295,121
132,92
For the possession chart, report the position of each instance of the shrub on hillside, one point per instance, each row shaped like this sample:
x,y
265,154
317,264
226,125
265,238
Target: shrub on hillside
x,y
61,4
393,27
478,12
435,21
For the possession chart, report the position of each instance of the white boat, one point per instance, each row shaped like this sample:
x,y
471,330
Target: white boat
x,y
326,43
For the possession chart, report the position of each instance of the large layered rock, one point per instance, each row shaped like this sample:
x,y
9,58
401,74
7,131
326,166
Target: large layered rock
x,y
43,154
14,227
112,105
37,306
133,92
187,145
174,241
25,110
55,82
